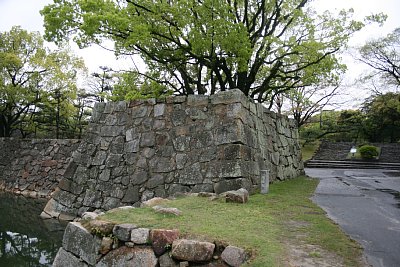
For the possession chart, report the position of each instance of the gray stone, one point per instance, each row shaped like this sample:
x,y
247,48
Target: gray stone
x,y
131,194
147,139
163,210
66,259
100,158
113,160
132,146
139,177
166,260
124,256
234,256
190,175
233,184
155,181
80,242
192,250
123,231
105,175
110,203
140,236
238,196
146,195
159,110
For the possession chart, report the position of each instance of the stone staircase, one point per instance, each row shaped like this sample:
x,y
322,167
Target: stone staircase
x,y
333,155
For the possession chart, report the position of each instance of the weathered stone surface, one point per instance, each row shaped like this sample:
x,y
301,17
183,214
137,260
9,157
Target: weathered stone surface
x,y
229,185
160,238
239,196
154,202
140,236
124,256
123,231
80,242
167,261
101,227
106,245
66,259
234,256
192,250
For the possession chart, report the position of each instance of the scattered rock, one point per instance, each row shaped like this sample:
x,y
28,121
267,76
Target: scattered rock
x,y
154,201
89,215
192,250
163,210
234,256
162,238
238,196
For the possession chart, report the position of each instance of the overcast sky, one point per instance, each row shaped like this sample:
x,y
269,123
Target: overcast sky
x,y
26,14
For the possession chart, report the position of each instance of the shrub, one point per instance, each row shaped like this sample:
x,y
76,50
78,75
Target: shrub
x,y
368,152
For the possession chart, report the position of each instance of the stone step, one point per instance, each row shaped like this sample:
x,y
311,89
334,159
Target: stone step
x,y
351,165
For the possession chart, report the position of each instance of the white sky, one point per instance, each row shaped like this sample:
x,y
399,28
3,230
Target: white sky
x,y
26,14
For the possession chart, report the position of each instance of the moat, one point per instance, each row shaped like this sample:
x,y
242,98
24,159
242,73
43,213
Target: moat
x,y
25,238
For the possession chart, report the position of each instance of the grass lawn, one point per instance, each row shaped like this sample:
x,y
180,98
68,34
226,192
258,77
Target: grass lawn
x,y
309,149
265,225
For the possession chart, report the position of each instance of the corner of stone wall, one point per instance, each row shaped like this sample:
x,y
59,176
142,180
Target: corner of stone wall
x,y
159,147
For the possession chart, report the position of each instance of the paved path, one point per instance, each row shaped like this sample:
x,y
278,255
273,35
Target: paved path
x,y
366,205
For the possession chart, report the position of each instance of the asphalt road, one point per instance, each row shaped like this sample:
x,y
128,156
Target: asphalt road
x,y
366,205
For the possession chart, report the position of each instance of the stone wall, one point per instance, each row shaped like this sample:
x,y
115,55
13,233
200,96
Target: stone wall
x,y
156,148
106,244
33,167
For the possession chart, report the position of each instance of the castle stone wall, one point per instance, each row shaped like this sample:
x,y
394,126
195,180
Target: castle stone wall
x,y
156,148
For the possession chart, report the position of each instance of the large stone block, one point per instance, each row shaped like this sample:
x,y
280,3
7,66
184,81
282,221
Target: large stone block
x,y
80,242
66,259
124,256
234,256
192,250
233,184
161,239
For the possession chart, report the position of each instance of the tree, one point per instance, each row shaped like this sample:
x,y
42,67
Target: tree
x,y
383,56
382,117
33,79
101,83
261,47
304,102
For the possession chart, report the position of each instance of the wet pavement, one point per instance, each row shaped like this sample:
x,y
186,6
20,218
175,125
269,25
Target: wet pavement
x,y
366,205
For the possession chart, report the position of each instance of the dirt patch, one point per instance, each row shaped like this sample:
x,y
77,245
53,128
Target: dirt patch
x,y
300,254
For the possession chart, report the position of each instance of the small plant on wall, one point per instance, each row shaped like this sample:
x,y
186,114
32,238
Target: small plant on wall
x,y
368,152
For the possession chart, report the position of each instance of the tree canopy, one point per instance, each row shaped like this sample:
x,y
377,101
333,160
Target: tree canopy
x,y
37,85
262,47
383,56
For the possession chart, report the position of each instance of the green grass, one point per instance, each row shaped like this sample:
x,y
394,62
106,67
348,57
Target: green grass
x,y
262,226
309,149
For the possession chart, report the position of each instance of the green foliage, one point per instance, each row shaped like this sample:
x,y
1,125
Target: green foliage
x,y
37,86
368,152
130,87
382,117
261,47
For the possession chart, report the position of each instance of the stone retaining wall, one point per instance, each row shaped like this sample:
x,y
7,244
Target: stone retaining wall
x,y
106,244
157,148
33,167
